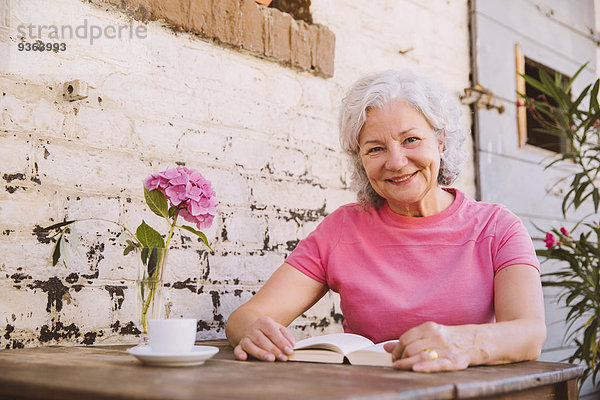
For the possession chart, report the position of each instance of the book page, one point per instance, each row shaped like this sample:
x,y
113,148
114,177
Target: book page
x,y
339,342
372,355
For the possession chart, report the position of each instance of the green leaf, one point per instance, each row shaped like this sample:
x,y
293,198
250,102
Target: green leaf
x,y
148,236
594,97
128,249
144,255
198,233
56,251
575,76
579,99
64,252
172,211
59,225
157,202
152,261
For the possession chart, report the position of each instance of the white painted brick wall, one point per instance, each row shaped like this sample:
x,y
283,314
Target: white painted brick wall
x,y
264,134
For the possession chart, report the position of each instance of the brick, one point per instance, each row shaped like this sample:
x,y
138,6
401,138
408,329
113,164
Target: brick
x,y
279,36
242,113
202,142
291,162
246,229
184,262
16,113
94,170
175,12
300,44
292,195
156,137
252,27
115,266
22,308
140,10
92,206
284,91
231,187
88,308
325,51
246,268
94,127
26,208
248,153
202,19
281,231
14,156
227,20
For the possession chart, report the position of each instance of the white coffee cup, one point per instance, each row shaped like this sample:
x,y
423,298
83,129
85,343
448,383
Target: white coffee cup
x,y
172,336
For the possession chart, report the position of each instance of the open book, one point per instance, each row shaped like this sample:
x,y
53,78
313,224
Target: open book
x,y
333,348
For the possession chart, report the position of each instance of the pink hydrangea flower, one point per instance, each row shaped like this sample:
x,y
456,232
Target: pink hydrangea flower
x,y
188,190
565,232
550,240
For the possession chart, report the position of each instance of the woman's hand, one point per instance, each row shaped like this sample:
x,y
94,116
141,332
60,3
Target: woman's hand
x,y
432,347
266,340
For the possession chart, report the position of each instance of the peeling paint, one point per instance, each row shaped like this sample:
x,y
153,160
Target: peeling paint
x,y
9,329
42,235
129,329
89,338
215,298
117,295
187,284
56,292
12,177
18,277
72,278
57,332
203,326
323,323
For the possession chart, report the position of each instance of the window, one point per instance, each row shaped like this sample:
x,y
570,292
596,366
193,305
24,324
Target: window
x,y
528,124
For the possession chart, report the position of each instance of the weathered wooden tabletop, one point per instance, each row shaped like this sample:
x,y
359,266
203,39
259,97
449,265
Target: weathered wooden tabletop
x,y
108,372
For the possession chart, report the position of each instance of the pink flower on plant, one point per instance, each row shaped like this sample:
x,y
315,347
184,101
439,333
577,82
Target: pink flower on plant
x,y
565,232
189,191
550,240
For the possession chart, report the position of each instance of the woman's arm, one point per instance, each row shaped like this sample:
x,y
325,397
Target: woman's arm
x,y
258,327
517,335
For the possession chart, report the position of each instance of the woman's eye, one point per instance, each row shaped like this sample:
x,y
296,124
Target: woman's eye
x,y
374,150
412,140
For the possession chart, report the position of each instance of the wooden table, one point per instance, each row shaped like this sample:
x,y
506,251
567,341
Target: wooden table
x,y
108,372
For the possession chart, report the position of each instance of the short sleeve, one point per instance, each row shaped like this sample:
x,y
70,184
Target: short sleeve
x,y
312,254
513,244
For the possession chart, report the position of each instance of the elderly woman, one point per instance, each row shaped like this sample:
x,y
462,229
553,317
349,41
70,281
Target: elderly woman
x,y
456,281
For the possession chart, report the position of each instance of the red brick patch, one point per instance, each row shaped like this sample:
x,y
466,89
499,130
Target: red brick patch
x,y
265,32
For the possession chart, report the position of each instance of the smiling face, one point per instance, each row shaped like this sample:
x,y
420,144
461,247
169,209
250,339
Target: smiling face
x,y
401,156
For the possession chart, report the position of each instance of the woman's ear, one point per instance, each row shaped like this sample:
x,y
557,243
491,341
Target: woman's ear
x,y
442,141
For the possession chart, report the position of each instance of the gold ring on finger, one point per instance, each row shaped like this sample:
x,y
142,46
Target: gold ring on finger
x,y
433,355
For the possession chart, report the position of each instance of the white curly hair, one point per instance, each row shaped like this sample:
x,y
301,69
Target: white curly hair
x,y
440,109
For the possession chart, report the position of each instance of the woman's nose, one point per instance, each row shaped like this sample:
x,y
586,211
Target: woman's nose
x,y
396,159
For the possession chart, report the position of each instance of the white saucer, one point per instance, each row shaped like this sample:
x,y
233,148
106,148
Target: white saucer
x,y
197,356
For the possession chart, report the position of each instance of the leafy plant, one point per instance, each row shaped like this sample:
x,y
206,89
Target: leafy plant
x,y
578,281
169,194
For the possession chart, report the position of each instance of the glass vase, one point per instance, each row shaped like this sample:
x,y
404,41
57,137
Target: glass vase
x,y
149,286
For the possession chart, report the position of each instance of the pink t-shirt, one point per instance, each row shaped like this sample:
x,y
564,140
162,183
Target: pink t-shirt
x,y
395,272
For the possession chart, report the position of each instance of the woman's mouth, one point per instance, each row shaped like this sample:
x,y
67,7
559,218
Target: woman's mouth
x,y
402,178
